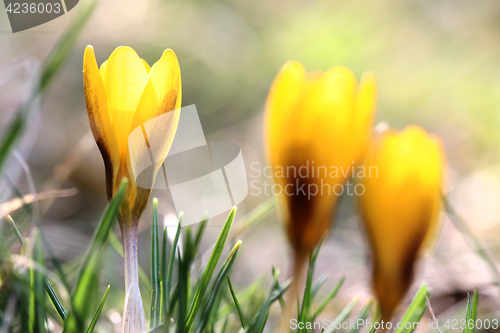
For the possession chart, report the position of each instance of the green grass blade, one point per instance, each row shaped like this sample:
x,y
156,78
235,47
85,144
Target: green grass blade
x,y
471,313
258,322
168,274
155,329
308,291
319,282
224,326
55,300
209,270
363,314
306,300
155,269
343,315
164,252
236,303
97,313
37,296
199,234
415,311
216,287
163,265
13,133
16,231
277,293
277,286
90,267
50,291
329,298
263,323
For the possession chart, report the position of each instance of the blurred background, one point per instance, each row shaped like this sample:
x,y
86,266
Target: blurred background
x,y
437,63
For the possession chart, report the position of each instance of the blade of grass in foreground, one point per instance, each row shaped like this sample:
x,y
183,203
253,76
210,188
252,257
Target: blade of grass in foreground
x,y
363,314
50,67
209,270
329,298
97,313
236,303
275,275
37,296
258,322
89,269
168,272
216,287
307,300
155,269
415,311
471,314
343,315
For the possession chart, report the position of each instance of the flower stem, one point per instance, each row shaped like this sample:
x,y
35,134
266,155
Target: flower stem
x,y
133,316
130,260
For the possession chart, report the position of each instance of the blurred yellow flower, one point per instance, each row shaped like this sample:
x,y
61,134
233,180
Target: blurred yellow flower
x,y
317,120
121,96
400,207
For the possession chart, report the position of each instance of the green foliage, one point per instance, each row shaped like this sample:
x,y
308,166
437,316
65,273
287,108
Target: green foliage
x,y
471,313
415,311
93,322
182,300
236,303
88,276
37,296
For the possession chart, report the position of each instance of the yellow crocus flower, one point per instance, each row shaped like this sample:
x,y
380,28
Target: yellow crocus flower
x,y
312,121
316,120
400,207
123,96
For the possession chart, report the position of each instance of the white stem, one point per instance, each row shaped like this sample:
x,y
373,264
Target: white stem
x,y
133,315
130,260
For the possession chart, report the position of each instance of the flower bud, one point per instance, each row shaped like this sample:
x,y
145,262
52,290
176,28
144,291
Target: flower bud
x,y
400,207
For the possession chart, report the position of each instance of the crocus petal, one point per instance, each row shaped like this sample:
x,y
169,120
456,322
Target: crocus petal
x,y
331,103
166,78
125,79
102,69
159,121
313,119
283,97
146,65
98,112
